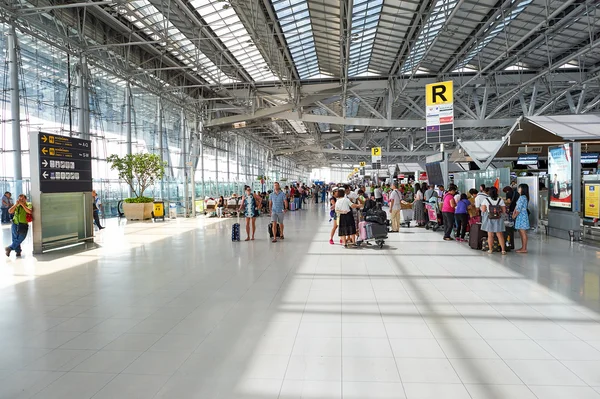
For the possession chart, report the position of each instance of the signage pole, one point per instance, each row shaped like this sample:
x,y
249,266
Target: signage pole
x,y
15,108
160,144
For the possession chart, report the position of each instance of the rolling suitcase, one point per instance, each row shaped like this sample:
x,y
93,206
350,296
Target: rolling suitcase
x,y
271,230
292,205
235,232
362,231
509,238
376,231
476,235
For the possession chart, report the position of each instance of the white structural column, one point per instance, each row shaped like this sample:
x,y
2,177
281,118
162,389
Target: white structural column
x,y
15,107
128,123
228,169
83,99
128,126
184,161
216,166
160,143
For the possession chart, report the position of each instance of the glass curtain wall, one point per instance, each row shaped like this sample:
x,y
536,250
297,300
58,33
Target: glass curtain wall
x,y
49,102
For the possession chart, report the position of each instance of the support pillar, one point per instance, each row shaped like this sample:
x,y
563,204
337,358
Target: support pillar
x,y
217,167
15,109
128,123
228,158
83,99
160,144
184,163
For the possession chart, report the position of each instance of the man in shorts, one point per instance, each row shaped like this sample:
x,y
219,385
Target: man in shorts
x,y
278,205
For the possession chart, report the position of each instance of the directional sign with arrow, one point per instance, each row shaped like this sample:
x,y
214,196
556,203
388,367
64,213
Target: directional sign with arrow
x,y
65,164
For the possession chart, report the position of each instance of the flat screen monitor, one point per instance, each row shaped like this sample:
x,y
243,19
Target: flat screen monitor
x,y
434,173
589,158
528,160
560,171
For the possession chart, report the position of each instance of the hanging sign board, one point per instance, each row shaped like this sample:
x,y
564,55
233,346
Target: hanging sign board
x,y
439,112
376,157
362,164
65,164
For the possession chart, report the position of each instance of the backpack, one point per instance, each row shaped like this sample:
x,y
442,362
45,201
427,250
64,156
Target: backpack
x,y
494,211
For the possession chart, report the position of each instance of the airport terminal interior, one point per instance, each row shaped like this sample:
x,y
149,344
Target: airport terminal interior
x,y
124,123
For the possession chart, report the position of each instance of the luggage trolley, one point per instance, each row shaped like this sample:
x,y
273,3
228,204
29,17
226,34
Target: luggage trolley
x,y
433,218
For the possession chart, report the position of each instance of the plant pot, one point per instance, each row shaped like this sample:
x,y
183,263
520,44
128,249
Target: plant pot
x,y
138,211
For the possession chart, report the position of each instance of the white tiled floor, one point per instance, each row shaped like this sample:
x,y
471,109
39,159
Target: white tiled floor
x,y
176,310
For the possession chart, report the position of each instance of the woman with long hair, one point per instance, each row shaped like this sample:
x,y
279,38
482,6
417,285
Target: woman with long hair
x,y
419,206
250,207
493,222
347,227
521,216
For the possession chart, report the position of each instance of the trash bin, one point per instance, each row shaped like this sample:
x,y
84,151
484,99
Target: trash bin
x,y
173,211
158,211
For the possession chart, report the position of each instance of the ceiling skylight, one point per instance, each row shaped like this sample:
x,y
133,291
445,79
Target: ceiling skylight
x,y
294,18
227,26
365,18
153,23
433,26
500,26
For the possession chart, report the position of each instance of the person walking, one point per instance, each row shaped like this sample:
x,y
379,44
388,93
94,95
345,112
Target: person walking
x,y
278,205
395,207
96,205
347,227
521,216
491,218
250,207
7,203
448,208
20,225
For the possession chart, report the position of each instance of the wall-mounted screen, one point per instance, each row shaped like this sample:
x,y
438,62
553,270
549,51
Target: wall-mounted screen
x,y
589,158
434,173
560,171
528,160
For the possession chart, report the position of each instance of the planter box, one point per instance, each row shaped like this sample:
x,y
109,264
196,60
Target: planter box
x,y
138,211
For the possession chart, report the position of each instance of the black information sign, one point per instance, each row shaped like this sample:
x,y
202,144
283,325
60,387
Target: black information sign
x,y
65,164
376,165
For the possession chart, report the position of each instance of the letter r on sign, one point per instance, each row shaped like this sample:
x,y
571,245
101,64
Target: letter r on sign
x,y
438,91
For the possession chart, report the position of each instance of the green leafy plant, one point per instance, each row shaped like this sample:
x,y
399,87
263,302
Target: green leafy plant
x,y
139,171
139,200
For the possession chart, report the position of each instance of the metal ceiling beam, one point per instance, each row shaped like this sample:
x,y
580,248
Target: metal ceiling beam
x,y
353,152
540,27
404,123
272,111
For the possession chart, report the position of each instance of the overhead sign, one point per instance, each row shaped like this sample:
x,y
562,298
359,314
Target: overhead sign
x,y
376,157
362,164
65,164
439,112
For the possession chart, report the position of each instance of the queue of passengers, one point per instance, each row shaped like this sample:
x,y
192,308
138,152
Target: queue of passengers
x,y
458,210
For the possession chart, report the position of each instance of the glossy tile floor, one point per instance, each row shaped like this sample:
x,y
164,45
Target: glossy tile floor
x,y
176,310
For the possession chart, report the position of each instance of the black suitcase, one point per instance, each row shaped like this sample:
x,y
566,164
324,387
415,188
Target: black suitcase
x,y
235,232
271,230
476,235
376,231
509,238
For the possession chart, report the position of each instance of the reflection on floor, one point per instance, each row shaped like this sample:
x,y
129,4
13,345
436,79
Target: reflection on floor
x,y
176,310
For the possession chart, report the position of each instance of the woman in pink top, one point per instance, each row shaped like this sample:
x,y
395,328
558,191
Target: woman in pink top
x,y
448,211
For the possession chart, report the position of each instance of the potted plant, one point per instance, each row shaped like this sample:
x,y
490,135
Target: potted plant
x,y
139,171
